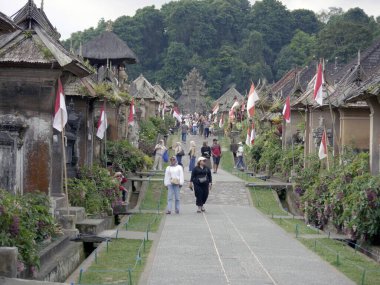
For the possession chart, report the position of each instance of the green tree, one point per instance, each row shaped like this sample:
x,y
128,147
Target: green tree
x,y
345,34
306,21
299,52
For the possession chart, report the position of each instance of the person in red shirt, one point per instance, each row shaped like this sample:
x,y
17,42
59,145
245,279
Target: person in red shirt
x,y
216,152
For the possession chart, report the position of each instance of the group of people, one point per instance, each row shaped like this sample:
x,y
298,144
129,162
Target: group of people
x,y
197,124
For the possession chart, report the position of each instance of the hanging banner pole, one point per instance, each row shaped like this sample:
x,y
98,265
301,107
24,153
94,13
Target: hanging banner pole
x,y
64,164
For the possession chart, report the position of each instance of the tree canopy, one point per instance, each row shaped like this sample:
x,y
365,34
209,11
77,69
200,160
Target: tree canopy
x,y
232,42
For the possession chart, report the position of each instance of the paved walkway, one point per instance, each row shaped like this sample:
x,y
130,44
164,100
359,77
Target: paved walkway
x,y
232,243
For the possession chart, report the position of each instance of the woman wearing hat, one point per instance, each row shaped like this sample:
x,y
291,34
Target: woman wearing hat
x,y
201,181
173,180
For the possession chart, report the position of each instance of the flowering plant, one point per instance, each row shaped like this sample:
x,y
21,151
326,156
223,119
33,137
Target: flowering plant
x,y
25,221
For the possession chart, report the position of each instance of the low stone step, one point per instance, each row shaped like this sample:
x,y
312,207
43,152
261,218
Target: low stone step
x,y
52,249
58,202
91,226
78,212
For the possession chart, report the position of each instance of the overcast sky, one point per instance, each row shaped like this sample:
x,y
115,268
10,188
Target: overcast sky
x,y
73,15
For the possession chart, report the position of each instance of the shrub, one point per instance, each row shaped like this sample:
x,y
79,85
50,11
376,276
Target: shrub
x,y
125,157
94,189
25,221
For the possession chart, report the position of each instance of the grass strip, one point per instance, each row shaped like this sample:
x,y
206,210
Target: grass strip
x,y
349,262
290,225
156,191
111,266
227,162
139,222
264,200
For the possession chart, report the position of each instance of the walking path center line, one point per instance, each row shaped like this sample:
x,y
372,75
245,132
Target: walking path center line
x,y
216,250
247,245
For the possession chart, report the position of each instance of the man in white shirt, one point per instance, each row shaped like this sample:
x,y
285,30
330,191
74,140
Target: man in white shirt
x,y
159,151
240,156
174,180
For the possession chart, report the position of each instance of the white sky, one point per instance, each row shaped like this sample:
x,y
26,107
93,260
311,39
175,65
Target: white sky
x,y
74,15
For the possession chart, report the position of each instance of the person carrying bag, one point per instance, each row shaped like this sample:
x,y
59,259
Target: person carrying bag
x,y
174,180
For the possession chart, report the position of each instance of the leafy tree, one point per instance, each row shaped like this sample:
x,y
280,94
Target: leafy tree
x,y
175,66
306,21
299,52
273,21
344,35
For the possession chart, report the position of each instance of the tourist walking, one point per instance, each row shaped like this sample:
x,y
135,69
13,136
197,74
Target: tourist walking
x,y
201,182
158,153
174,180
240,156
206,153
179,152
207,129
192,155
184,130
216,153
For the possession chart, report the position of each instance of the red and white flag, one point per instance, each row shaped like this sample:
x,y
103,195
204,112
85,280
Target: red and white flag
x,y
215,109
131,117
235,105
318,85
248,139
177,115
60,112
221,123
286,110
323,146
102,123
253,134
252,98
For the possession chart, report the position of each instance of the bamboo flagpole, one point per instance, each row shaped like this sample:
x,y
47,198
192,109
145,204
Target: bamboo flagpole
x,y
59,122
105,133
64,163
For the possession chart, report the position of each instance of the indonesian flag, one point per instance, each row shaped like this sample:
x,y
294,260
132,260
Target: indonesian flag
x,y
177,115
318,86
231,114
248,139
132,112
235,105
252,98
215,109
221,123
286,110
243,107
253,134
102,123
60,112
323,147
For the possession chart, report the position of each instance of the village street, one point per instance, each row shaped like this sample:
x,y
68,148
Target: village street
x,y
232,243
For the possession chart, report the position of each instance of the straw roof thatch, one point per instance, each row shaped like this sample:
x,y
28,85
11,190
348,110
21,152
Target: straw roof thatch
x,y
6,25
108,46
228,98
37,43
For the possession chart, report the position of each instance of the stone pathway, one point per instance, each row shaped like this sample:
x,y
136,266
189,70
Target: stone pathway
x,y
232,243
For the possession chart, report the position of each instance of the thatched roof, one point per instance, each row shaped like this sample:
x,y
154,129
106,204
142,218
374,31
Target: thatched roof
x,y
108,46
37,44
6,25
358,75
141,88
226,100
30,15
